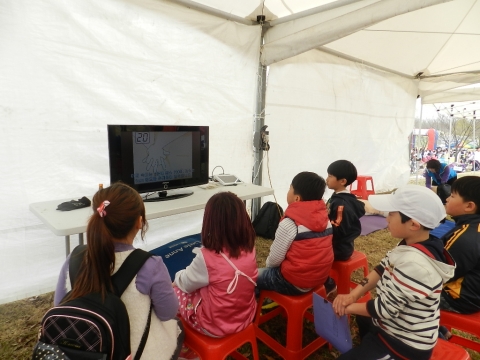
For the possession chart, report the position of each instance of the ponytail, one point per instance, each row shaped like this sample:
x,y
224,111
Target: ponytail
x,y
115,212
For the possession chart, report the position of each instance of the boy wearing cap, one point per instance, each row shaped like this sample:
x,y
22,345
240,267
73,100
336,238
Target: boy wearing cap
x,y
462,293
402,321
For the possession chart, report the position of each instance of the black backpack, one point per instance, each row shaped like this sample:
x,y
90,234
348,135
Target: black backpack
x,y
88,328
267,220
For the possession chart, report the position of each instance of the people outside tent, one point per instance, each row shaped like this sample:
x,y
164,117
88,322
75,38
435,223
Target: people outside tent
x,y
118,216
402,321
462,292
476,160
437,173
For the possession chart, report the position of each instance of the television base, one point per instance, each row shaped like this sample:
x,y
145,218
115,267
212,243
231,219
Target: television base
x,y
168,195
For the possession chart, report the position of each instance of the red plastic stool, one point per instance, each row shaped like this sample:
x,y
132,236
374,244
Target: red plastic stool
x,y
295,309
207,347
362,191
342,272
467,323
446,350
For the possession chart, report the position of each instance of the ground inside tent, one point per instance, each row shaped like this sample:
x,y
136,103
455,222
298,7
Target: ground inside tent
x,y
19,321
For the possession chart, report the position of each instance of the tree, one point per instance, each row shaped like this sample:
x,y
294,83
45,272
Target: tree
x,y
461,129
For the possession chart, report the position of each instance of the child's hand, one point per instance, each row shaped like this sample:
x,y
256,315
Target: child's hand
x,y
173,284
341,302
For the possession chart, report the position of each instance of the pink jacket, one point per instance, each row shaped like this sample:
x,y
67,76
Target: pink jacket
x,y
219,312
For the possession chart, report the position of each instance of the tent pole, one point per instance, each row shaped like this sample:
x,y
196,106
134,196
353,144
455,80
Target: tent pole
x,y
450,130
419,130
474,138
259,122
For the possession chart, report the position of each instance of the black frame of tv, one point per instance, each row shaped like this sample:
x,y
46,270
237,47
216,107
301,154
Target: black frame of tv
x,y
121,157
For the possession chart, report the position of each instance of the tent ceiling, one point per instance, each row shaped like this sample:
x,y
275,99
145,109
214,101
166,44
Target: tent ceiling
x,y
419,38
272,9
435,40
454,95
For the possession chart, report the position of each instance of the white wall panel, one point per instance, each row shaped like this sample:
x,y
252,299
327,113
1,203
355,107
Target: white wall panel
x,y
69,68
321,108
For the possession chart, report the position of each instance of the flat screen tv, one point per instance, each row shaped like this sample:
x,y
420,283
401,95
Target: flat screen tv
x,y
158,158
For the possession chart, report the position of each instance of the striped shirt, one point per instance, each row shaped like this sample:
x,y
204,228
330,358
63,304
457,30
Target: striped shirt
x,y
408,295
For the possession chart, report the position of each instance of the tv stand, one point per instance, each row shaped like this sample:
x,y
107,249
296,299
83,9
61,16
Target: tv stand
x,y
168,195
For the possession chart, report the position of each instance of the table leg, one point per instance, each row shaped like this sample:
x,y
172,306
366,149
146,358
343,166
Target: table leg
x,y
80,239
67,244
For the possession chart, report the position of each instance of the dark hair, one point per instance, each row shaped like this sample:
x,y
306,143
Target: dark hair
x,y
404,218
343,169
122,213
227,226
433,164
468,187
309,186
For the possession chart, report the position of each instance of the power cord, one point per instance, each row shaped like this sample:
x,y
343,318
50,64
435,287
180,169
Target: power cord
x,y
145,197
266,147
258,171
271,186
219,166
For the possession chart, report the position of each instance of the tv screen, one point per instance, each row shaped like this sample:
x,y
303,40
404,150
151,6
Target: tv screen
x,y
158,157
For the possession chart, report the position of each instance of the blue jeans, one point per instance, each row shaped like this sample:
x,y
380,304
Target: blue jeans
x,y
372,347
272,279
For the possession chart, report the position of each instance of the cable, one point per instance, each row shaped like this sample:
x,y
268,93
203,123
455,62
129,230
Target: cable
x,y
258,171
145,197
271,186
223,171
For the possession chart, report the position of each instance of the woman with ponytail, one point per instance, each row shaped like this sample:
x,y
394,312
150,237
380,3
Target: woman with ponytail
x,y
118,216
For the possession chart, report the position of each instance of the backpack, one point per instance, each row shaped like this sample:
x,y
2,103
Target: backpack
x,y
267,220
88,328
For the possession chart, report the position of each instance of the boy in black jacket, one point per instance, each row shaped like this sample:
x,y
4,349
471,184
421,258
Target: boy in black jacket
x,y
462,292
344,212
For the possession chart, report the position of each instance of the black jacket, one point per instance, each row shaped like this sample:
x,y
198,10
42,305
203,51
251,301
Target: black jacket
x,y
463,242
344,212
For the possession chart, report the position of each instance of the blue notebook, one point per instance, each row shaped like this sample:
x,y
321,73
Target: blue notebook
x,y
331,327
177,254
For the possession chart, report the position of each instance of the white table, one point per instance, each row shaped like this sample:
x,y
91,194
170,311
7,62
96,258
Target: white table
x,y
66,223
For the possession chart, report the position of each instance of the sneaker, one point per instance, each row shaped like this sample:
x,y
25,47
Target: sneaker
x,y
331,289
187,354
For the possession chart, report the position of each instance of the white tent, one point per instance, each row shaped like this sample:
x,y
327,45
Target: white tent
x,y
463,94
342,83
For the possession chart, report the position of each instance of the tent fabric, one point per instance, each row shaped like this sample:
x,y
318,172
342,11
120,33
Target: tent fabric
x,y
430,40
272,9
322,108
435,40
454,95
438,85
70,68
339,27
